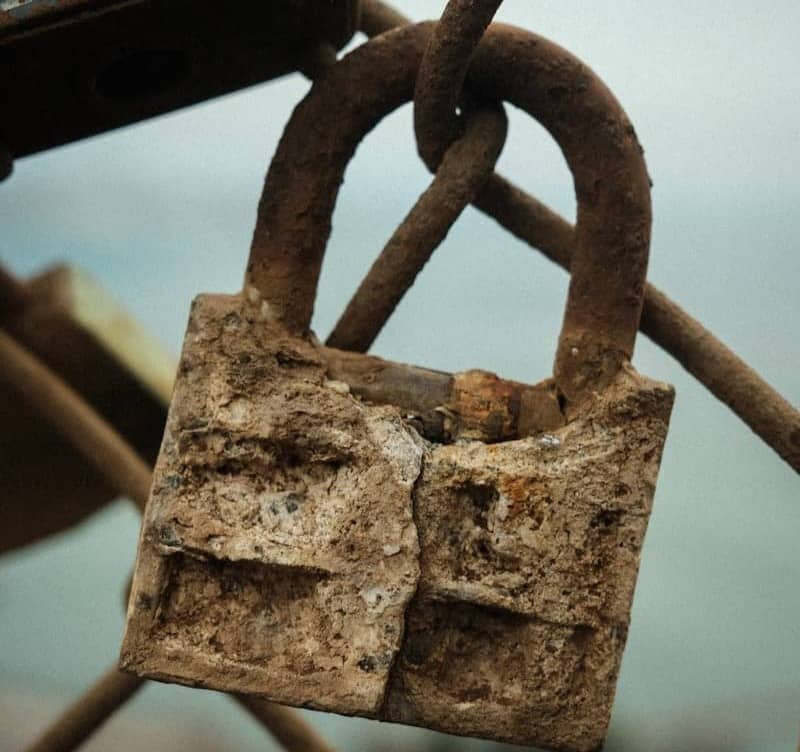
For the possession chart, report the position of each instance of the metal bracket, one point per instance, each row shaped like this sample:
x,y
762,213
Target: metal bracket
x,y
74,68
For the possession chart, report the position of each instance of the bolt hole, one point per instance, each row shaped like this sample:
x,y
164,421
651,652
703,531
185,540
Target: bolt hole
x,y
142,74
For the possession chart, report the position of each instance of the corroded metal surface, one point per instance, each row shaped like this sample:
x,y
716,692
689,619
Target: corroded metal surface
x,y
529,556
279,549
73,68
440,81
717,367
305,546
467,165
613,229
445,407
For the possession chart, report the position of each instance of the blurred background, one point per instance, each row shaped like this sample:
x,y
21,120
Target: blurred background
x,y
161,211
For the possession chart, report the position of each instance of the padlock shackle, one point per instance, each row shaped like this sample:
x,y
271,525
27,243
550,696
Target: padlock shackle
x,y
612,231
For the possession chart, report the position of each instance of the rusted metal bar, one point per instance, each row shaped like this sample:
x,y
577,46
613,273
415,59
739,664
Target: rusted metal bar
x,y
317,61
377,17
467,164
119,463
702,354
81,719
724,374
70,415
442,72
285,724
612,234
74,68
415,390
446,406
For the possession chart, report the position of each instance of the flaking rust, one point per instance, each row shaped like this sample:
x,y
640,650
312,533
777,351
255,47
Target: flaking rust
x,y
311,548
529,556
279,551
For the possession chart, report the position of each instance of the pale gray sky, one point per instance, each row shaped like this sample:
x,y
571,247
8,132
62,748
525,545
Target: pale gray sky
x,y
164,210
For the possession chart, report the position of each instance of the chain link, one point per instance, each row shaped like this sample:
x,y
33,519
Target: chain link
x,y
440,80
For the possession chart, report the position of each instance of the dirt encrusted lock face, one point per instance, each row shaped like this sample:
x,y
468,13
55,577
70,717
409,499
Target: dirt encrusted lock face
x,y
313,548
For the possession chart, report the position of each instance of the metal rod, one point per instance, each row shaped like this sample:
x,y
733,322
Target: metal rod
x,y
768,414
449,406
81,719
442,72
74,418
377,17
467,164
286,725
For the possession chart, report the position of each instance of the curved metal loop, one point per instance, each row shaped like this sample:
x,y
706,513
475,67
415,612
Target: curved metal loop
x,y
709,360
611,183
467,165
441,75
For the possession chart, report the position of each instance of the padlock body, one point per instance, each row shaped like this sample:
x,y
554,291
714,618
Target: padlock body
x,y
529,552
313,549
278,550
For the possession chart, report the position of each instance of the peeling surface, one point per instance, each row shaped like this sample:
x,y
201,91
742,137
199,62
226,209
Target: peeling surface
x,y
274,501
311,548
529,556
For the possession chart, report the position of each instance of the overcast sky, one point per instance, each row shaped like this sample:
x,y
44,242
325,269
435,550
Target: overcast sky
x,y
164,210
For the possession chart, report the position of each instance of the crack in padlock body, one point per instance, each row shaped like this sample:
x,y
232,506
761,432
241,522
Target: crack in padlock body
x,y
313,548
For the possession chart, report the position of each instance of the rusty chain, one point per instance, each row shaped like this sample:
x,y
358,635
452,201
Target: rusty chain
x,y
717,367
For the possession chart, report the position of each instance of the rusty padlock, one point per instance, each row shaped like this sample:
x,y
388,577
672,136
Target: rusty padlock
x,y
310,547
78,330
